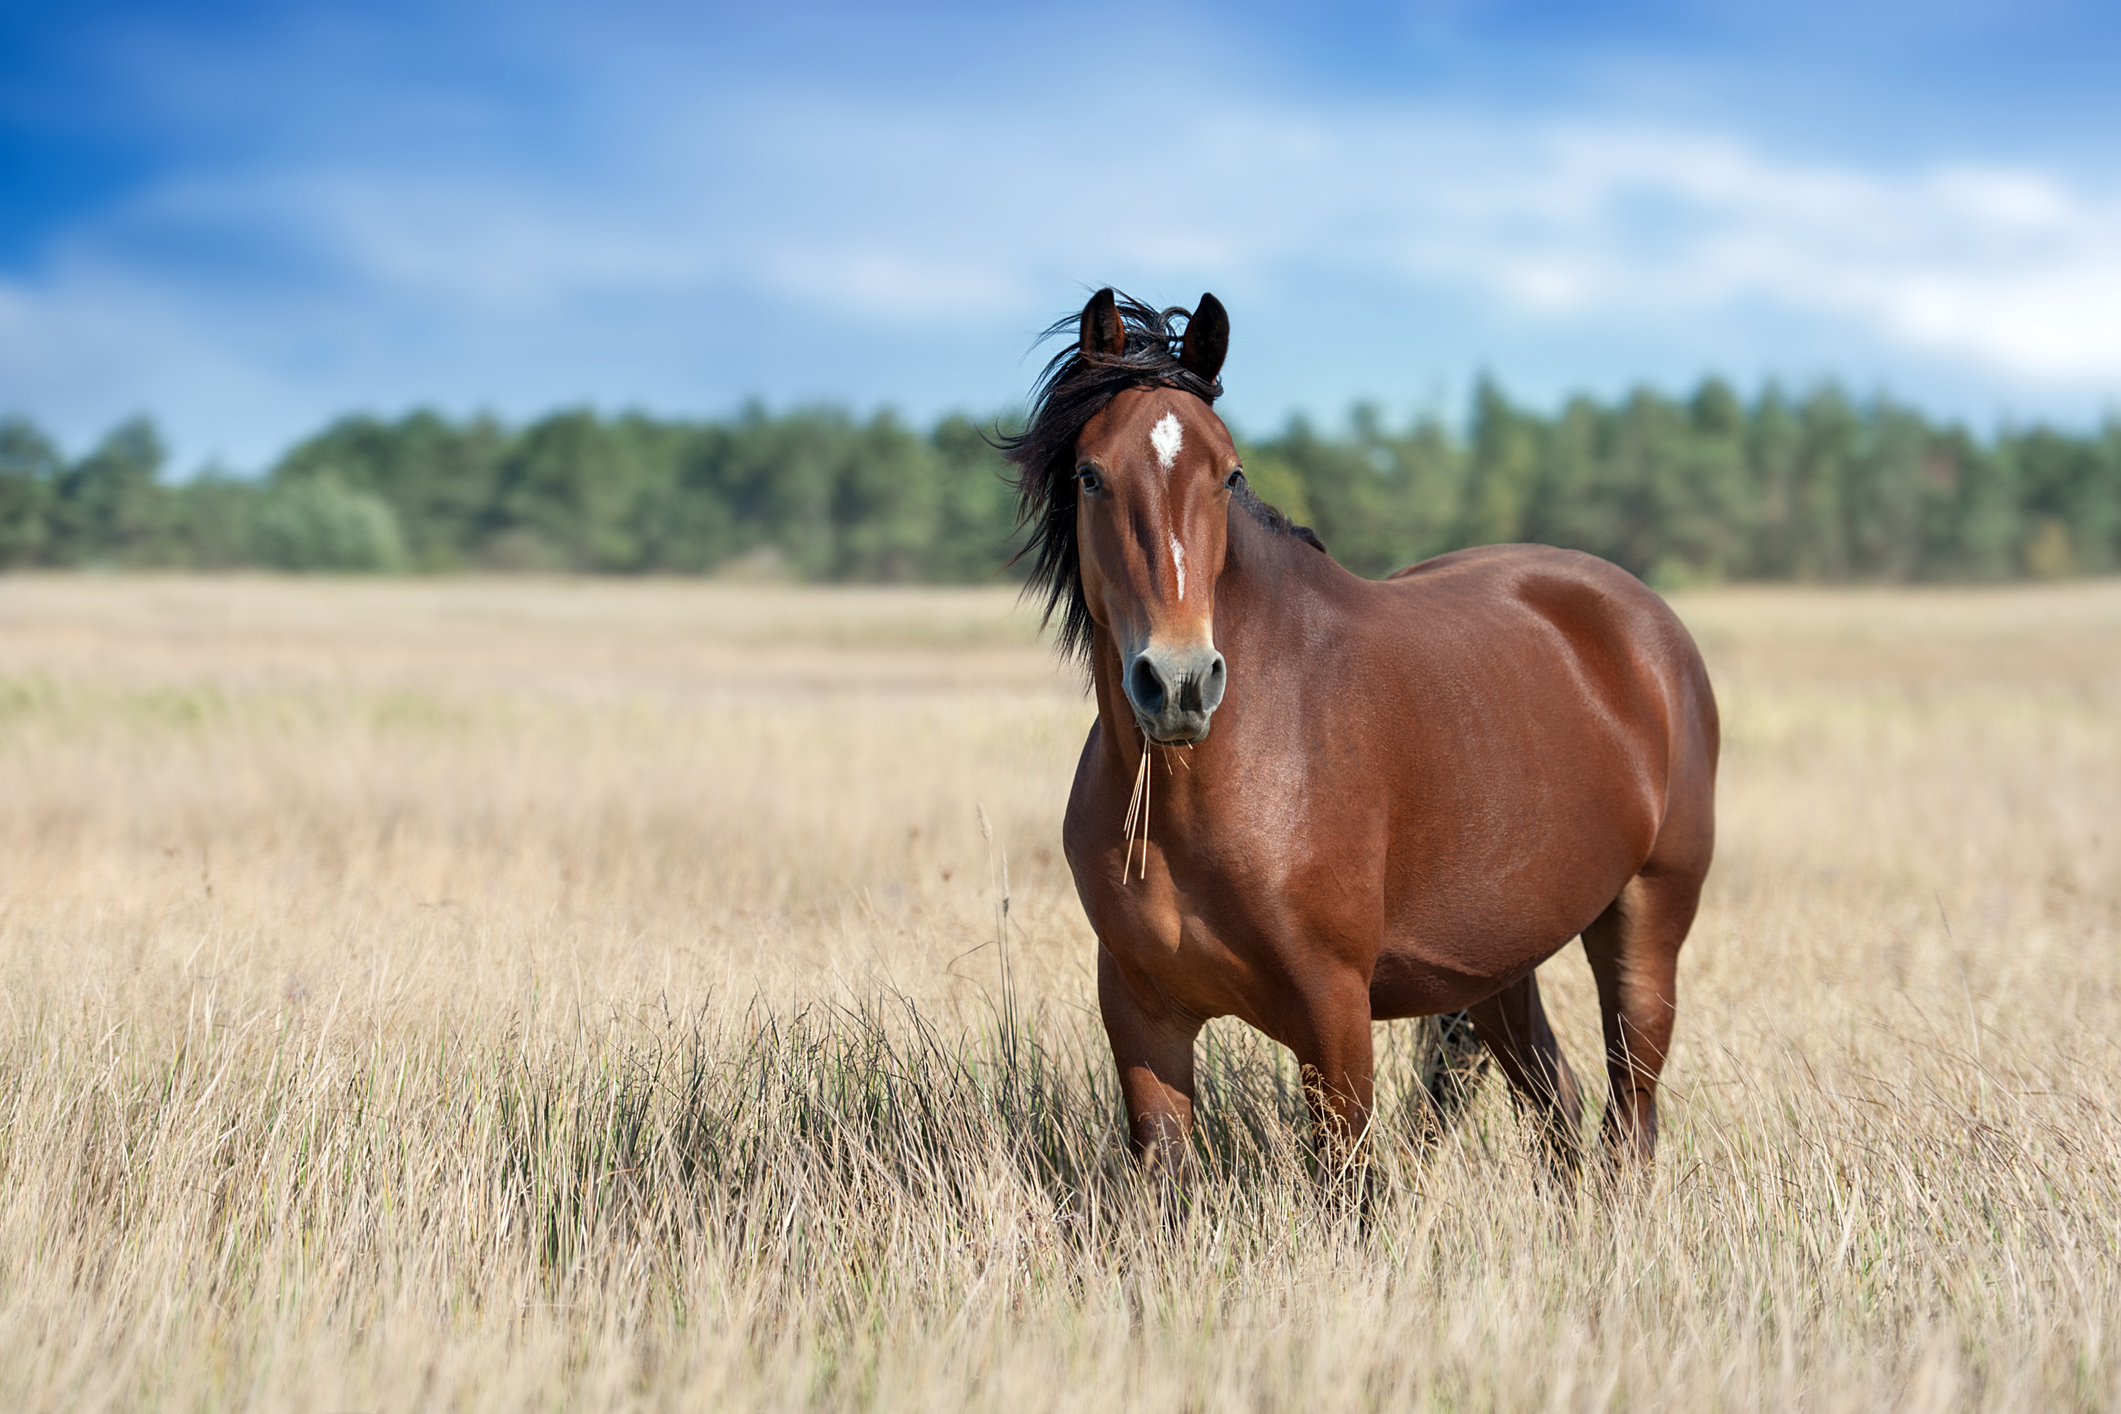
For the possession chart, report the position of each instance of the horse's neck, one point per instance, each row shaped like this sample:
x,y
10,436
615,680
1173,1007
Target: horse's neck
x,y
1267,577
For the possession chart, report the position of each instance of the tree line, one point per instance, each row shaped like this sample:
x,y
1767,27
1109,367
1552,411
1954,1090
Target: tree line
x,y
1710,487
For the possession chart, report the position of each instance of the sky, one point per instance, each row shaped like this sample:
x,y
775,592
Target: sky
x,y
247,218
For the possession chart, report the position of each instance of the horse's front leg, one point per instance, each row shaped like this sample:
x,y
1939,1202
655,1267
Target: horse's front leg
x,y
1331,1039
1152,1044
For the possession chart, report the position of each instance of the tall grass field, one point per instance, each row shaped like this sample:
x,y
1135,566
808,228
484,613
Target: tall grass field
x,y
524,994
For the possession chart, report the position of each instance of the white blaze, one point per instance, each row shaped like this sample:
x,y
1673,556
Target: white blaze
x,y
1166,438
1178,562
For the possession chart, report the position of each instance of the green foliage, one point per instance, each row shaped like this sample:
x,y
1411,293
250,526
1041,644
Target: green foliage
x,y
1378,501
975,506
106,507
1819,488
30,468
1705,488
439,477
210,524
317,524
564,493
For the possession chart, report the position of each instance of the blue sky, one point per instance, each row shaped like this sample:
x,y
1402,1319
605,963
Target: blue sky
x,y
245,218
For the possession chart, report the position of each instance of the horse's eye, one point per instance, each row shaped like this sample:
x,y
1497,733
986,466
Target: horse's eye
x,y
1235,479
1087,478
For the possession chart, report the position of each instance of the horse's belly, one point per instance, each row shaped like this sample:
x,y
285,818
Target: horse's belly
x,y
1408,983
1458,946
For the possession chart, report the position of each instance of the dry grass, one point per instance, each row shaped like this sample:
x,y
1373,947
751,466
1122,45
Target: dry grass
x,y
513,995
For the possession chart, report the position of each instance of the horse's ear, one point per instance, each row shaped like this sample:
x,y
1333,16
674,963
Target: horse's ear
x,y
1103,330
1207,339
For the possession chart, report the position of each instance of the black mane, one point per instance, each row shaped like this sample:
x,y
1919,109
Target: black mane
x,y
1070,391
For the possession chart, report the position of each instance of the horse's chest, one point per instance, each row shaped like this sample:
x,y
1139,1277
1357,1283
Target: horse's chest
x,y
1162,937
1224,901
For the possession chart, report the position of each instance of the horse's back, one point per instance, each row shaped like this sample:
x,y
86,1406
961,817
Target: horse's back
x,y
1582,593
1623,643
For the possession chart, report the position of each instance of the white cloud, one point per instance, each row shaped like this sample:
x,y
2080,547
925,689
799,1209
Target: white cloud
x,y
2017,270
889,216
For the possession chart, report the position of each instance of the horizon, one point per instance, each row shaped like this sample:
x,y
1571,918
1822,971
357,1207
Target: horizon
x,y
1400,419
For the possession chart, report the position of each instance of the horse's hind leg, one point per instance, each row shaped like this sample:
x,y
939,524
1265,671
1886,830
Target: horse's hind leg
x,y
1634,952
1513,1024
1454,1072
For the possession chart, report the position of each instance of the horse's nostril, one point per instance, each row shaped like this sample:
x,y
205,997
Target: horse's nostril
x,y
1212,688
1145,686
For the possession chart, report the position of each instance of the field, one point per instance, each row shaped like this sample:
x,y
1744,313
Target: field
x,y
548,994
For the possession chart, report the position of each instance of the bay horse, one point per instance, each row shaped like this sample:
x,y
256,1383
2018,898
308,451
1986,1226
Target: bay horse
x,y
1414,791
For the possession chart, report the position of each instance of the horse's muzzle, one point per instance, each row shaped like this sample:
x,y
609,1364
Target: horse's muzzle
x,y
1174,691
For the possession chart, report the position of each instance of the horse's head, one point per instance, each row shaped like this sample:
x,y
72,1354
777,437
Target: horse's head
x,y
1154,472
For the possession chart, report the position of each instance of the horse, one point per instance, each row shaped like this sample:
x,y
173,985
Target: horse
x,y
1312,800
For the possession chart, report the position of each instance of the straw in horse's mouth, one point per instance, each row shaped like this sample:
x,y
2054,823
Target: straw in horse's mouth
x,y
1138,813
1138,803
